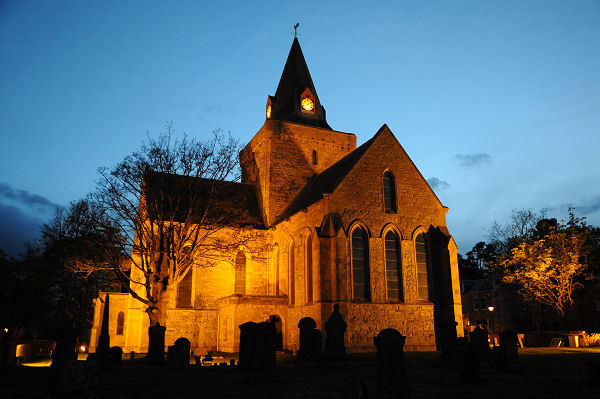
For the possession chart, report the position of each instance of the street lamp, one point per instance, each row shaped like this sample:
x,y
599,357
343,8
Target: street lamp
x,y
491,309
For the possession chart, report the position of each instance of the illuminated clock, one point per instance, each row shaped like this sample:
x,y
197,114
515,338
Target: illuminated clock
x,y
307,104
268,111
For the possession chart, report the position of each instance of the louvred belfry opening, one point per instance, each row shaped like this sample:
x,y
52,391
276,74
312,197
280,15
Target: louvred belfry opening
x,y
296,99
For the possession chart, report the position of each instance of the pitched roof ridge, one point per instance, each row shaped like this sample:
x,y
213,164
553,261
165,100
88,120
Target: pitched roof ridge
x,y
326,181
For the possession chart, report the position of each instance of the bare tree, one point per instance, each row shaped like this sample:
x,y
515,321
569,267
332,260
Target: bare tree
x,y
176,205
521,224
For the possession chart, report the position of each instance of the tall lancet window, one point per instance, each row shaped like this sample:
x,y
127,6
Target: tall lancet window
x,y
422,251
240,273
315,160
389,192
309,271
361,290
184,291
393,267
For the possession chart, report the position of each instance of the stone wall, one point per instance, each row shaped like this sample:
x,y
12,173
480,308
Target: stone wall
x,y
199,326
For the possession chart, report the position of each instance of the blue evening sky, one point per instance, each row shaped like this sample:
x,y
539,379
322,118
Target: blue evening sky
x,y
496,102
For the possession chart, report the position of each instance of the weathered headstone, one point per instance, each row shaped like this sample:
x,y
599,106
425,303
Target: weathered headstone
x,y
334,342
156,345
448,344
132,355
391,371
66,344
508,355
247,342
310,348
178,355
481,347
468,361
116,354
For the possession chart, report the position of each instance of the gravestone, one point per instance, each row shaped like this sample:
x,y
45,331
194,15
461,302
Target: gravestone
x,y
66,345
178,355
468,360
156,345
507,354
481,347
247,342
448,343
132,355
391,371
103,347
334,342
116,354
310,341
263,361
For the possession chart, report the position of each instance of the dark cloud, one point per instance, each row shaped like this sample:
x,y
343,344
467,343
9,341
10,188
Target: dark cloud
x,y
437,184
473,160
27,199
16,229
588,207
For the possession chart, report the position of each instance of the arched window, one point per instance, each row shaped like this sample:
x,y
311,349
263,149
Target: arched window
x,y
314,157
360,266
240,273
309,277
120,323
184,291
389,192
422,252
292,278
393,267
276,260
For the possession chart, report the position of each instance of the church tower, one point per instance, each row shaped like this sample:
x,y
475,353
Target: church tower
x,y
295,142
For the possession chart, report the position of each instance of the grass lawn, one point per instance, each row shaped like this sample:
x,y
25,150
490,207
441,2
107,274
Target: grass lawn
x,y
546,373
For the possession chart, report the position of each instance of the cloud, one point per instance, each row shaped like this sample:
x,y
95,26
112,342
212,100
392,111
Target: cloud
x,y
589,206
437,184
27,199
473,160
16,229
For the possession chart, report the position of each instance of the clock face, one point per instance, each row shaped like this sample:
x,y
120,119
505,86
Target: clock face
x,y
307,104
268,111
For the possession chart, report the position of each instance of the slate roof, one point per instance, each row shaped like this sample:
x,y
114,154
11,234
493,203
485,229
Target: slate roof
x,y
285,105
327,181
169,196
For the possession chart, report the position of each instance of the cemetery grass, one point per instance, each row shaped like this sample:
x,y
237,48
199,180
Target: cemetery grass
x,y
545,373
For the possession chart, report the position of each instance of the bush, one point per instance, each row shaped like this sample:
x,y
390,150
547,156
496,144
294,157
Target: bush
x,y
590,340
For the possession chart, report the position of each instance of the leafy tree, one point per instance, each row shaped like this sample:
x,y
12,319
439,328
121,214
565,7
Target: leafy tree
x,y
174,206
550,263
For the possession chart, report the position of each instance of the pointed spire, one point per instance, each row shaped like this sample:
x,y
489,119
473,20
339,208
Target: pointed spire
x,y
296,98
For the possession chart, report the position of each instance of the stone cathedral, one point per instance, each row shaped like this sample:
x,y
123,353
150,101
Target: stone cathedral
x,y
354,226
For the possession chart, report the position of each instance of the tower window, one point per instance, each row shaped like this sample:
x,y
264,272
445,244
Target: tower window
x,y
309,280
393,267
240,273
389,192
422,266
360,266
184,291
314,157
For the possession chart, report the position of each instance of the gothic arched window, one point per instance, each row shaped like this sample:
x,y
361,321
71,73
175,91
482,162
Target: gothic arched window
x,y
393,267
292,277
309,276
184,291
240,273
120,323
389,192
360,266
422,251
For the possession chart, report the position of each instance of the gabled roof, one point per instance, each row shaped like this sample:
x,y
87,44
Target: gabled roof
x,y
227,203
295,79
327,181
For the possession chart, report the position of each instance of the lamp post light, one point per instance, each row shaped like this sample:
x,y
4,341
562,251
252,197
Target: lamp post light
x,y
491,309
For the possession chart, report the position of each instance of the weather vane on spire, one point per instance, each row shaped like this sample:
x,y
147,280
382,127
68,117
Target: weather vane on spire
x,y
296,29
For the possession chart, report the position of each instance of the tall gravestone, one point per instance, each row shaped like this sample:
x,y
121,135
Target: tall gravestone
x,y
156,345
247,342
507,358
264,361
391,370
334,342
481,347
448,343
103,347
66,345
310,340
